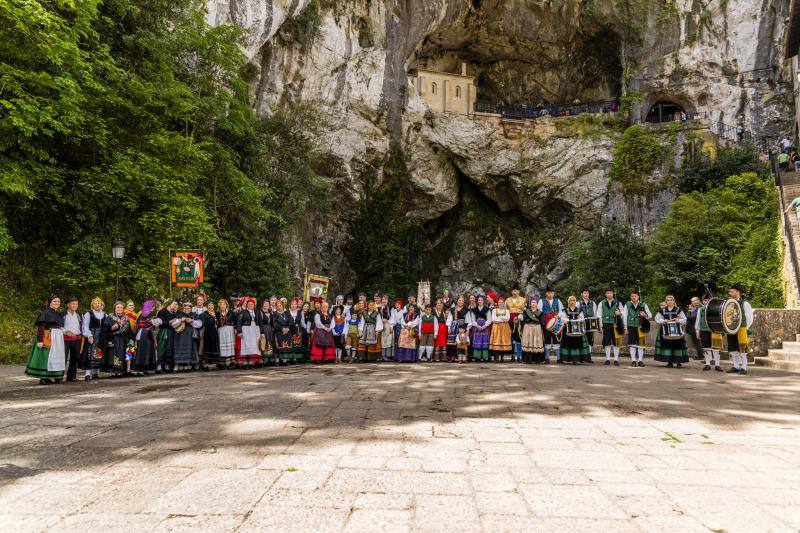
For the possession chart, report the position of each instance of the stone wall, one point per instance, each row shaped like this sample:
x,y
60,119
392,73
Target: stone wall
x,y
771,327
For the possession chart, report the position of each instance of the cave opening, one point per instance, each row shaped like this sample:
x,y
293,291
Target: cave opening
x,y
664,111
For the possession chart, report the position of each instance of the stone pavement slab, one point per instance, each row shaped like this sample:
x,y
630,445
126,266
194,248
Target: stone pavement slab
x,y
386,447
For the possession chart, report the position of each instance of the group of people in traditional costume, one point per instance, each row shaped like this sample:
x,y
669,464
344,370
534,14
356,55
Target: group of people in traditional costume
x,y
171,336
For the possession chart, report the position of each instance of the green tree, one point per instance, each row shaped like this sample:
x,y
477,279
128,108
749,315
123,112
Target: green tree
x,y
728,234
701,172
636,156
612,254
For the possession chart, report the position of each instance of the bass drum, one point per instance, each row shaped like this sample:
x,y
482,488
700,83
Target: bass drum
x,y
724,316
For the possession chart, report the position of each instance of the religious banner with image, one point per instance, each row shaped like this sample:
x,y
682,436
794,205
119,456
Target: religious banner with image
x,y
315,289
424,294
186,268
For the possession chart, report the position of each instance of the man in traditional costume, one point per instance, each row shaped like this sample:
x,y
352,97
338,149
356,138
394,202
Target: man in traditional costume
x,y
94,345
550,307
738,344
387,333
200,312
47,360
73,338
691,319
427,333
609,311
589,310
707,338
632,314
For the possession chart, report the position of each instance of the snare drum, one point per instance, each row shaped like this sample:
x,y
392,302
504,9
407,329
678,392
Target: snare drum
x,y
555,325
672,331
576,328
593,324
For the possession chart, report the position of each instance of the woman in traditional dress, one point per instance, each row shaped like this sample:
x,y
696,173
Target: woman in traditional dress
x,y
472,303
339,331
442,328
447,300
94,345
457,316
146,342
500,339
248,328
227,335
322,348
481,329
369,329
407,343
307,323
283,325
532,336
671,351
267,330
119,332
130,310
574,349
185,325
166,336
298,348
387,333
210,337
47,360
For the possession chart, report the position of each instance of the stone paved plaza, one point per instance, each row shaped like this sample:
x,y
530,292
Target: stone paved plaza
x,y
394,448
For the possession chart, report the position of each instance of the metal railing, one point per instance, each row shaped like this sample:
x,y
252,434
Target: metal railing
x,y
699,115
529,112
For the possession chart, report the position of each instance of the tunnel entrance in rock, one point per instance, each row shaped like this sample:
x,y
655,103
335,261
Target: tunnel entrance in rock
x,y
665,111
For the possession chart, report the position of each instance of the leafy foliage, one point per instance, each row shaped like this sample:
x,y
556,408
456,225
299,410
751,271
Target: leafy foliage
x,y
701,172
133,119
636,156
725,235
613,254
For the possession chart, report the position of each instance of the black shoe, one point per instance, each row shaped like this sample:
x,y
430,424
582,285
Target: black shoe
x,y
640,363
87,379
574,362
669,365
616,363
718,369
678,365
633,363
607,363
707,367
743,372
733,370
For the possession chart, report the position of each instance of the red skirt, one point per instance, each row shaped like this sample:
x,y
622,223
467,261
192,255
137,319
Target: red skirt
x,y
441,337
322,353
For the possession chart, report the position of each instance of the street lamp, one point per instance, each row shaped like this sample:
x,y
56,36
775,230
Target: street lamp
x,y
118,251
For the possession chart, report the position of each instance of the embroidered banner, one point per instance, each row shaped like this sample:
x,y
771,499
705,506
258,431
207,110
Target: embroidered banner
x,y
315,288
186,268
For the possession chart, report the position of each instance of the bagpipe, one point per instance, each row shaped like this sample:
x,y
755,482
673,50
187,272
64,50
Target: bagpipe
x,y
644,322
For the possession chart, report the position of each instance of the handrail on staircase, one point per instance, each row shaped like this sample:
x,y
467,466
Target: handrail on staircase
x,y
787,221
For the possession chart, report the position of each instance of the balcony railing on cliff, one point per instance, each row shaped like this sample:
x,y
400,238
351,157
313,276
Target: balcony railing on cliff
x,y
529,112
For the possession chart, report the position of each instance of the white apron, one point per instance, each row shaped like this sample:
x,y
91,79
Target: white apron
x,y
227,338
57,357
250,336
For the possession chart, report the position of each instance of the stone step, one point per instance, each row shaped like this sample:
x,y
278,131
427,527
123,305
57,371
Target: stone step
x,y
789,366
791,346
783,355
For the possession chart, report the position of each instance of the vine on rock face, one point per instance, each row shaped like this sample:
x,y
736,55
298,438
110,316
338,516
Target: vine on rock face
x,y
636,157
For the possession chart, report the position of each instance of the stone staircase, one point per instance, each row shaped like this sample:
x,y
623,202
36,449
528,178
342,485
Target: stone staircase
x,y
787,358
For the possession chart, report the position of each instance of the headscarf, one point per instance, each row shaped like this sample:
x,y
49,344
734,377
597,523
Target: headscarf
x,y
97,300
119,302
147,307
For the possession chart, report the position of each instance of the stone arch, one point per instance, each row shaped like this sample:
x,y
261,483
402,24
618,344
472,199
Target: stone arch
x,y
664,111
433,88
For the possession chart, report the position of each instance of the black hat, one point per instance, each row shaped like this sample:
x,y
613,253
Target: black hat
x,y
71,298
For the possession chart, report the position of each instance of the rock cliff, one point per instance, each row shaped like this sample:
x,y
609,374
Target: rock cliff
x,y
499,209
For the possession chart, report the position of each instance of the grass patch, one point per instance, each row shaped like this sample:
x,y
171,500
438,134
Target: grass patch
x,y
16,327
